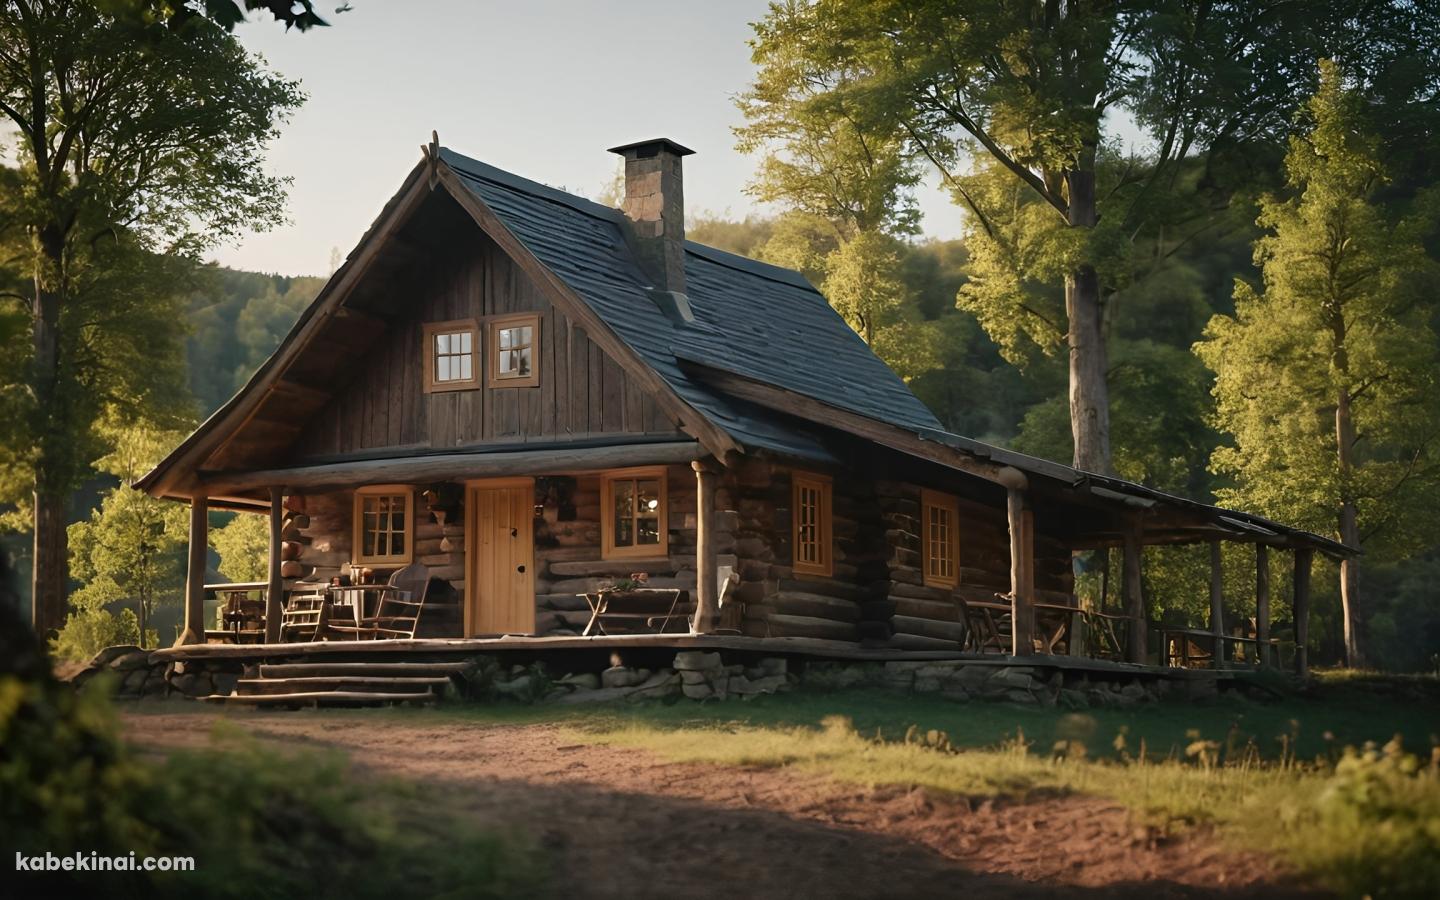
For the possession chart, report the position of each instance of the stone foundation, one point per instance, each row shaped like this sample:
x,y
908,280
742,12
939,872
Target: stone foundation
x,y
708,675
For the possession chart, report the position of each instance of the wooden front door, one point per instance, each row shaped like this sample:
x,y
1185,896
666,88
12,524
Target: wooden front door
x,y
499,555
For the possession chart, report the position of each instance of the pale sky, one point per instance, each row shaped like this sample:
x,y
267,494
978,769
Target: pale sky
x,y
536,87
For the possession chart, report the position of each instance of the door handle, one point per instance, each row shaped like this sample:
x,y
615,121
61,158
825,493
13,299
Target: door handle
x,y
514,532
520,569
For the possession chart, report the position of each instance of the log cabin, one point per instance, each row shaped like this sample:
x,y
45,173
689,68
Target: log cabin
x,y
533,395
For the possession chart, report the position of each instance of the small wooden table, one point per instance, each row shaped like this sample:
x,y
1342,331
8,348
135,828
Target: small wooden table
x,y
641,604
1062,617
235,629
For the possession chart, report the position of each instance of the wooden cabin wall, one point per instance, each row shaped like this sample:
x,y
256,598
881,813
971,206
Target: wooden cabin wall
x,y
876,594
929,617
756,499
568,554
322,526
583,392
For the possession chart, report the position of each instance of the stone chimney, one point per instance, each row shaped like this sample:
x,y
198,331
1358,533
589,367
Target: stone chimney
x,y
655,206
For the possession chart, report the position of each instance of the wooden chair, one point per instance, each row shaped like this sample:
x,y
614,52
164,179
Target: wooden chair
x,y
397,611
307,615
987,625
243,620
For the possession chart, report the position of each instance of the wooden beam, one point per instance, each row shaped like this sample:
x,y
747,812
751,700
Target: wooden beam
x,y
275,590
194,632
1217,603
1132,590
707,610
1022,608
457,466
1262,603
1303,558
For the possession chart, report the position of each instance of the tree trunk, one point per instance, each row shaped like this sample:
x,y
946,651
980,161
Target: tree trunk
x,y
50,560
1089,393
1349,528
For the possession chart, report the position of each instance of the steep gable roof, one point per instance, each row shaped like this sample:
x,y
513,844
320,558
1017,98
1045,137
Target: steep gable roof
x,y
756,319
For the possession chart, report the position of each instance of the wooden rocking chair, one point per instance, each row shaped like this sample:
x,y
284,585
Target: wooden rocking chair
x,y
397,612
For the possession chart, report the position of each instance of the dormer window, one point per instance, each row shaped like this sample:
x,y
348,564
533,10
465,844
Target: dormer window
x,y
450,356
515,351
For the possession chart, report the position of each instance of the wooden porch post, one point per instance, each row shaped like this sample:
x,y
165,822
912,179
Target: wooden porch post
x,y
194,632
1303,558
1133,589
1022,578
1262,604
706,586
275,593
1217,603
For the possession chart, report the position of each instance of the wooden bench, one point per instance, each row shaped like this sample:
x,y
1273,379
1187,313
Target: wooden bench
x,y
642,606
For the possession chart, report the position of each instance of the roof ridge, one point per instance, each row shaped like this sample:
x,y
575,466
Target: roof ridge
x,y
478,169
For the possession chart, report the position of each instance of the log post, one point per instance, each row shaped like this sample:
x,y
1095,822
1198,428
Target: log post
x,y
707,611
1262,604
1301,606
194,632
1133,590
1021,575
275,593
1217,603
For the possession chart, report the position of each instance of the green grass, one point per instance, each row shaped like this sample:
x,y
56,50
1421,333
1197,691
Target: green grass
x,y
1360,821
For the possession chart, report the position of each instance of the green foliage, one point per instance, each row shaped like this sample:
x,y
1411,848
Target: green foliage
x,y
1345,310
130,551
238,319
257,823
244,546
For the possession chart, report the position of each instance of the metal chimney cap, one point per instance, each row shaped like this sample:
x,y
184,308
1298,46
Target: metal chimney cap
x,y
652,147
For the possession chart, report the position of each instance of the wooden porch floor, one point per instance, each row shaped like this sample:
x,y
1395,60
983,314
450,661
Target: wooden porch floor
x,y
808,648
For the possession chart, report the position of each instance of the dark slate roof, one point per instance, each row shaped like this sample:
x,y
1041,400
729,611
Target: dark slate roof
x,y
740,307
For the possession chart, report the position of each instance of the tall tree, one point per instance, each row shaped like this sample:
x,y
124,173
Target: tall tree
x,y
131,130
1033,86
1328,376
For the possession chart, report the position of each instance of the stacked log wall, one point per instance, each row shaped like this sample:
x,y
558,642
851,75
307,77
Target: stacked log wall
x,y
569,560
754,504
932,617
327,538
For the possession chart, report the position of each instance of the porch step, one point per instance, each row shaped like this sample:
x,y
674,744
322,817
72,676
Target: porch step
x,y
363,684
383,669
322,698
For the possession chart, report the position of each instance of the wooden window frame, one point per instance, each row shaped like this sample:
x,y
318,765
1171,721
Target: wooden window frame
x,y
936,500
492,346
357,549
429,357
824,523
608,550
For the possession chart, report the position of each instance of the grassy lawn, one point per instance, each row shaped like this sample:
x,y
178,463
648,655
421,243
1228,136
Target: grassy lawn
x,y
1277,776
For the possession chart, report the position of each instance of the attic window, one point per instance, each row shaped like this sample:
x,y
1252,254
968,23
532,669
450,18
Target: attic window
x,y
514,351
450,356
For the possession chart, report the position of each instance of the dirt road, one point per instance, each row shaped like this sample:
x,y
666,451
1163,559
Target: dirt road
x,y
617,822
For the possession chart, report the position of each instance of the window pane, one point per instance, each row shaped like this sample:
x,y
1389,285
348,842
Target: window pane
x,y
505,338
623,512
649,497
466,373
464,338
647,530
524,360
442,370
522,336
442,343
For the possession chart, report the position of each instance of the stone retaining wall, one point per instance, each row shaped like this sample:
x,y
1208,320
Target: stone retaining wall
x,y
702,676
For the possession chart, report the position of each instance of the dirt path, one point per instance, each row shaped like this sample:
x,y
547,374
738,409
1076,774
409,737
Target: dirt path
x,y
617,822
